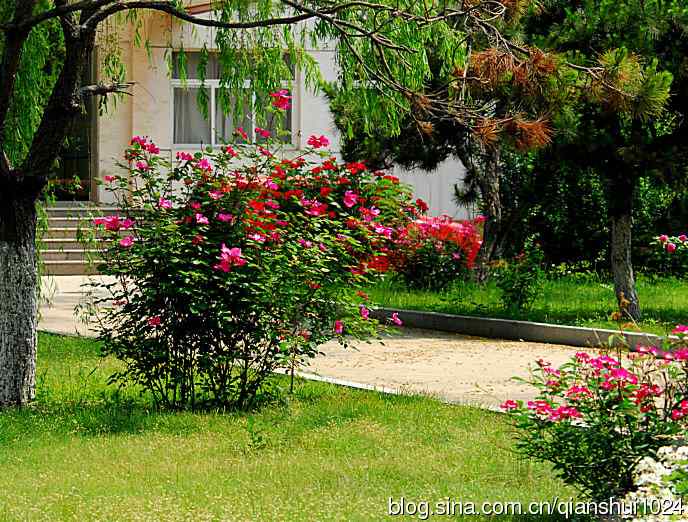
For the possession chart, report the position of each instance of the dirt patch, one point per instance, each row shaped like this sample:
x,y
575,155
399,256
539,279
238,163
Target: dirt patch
x,y
454,367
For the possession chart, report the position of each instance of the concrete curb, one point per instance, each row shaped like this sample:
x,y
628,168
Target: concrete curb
x,y
514,330
388,390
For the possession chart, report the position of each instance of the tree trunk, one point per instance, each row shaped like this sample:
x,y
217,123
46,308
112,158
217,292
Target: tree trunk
x,y
18,289
488,181
621,214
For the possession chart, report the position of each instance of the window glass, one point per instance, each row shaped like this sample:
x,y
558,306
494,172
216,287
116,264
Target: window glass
x,y
226,122
193,59
189,124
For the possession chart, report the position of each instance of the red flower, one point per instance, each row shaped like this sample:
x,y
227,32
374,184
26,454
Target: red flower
x,y
356,167
318,142
281,99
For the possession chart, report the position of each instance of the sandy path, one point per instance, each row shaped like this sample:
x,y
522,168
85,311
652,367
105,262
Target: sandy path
x,y
453,367
450,366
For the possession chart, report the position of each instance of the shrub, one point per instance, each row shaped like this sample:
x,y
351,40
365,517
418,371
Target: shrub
x,y
232,264
431,252
671,254
521,279
595,418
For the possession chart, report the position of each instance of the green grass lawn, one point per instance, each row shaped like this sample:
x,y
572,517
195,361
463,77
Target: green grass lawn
x,y
85,452
664,302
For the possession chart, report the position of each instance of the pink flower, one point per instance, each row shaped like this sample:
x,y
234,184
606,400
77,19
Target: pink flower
x,y
316,208
225,218
195,205
257,237
142,165
184,156
680,329
201,219
281,99
540,406
269,183
564,412
677,414
671,248
350,198
229,257
664,238
229,150
365,313
265,152
577,392
164,203
109,179
139,140
385,231
318,142
152,148
396,320
509,405
241,132
683,238
304,243
216,194
126,242
113,223
204,164
338,327
369,214
263,133
154,321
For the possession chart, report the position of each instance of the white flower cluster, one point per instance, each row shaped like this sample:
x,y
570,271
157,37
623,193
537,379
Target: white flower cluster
x,y
654,492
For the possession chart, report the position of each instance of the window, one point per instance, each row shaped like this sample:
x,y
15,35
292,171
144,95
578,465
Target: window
x,y
191,127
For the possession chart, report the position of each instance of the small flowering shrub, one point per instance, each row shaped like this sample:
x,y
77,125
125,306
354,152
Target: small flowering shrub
x,y
431,252
520,279
672,252
595,417
232,264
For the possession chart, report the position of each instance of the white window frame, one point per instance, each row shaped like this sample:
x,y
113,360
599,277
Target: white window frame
x,y
213,85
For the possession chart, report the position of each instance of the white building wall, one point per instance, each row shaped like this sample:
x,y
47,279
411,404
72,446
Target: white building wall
x,y
149,112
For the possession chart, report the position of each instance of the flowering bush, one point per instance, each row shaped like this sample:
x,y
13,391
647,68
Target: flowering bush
x,y
431,252
235,263
595,417
673,253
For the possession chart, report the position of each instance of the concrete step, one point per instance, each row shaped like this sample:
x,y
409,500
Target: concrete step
x,y
68,255
65,244
62,268
70,222
78,232
66,232
80,211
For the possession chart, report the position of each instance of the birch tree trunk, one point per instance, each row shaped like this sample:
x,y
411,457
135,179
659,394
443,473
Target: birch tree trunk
x,y
18,293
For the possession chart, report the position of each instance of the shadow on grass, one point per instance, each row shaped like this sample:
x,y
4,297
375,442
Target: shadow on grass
x,y
110,414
